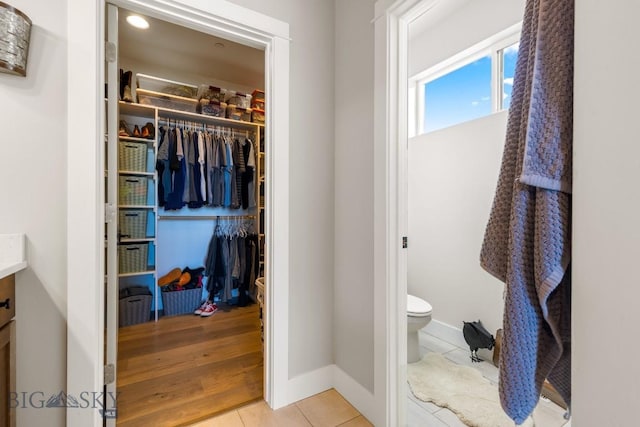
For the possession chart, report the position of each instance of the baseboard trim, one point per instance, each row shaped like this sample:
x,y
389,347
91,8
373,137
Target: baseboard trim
x,y
310,383
331,376
446,332
361,398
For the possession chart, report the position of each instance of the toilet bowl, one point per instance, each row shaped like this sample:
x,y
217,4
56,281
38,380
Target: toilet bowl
x,y
418,315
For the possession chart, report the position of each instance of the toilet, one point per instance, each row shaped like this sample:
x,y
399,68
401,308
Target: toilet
x,y
418,315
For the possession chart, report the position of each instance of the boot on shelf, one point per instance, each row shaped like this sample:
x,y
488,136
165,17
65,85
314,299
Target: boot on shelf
x,y
125,86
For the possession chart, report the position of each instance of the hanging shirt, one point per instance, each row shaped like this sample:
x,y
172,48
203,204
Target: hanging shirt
x,y
201,162
228,169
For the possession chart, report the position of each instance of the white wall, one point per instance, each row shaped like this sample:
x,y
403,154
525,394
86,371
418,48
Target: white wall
x,y
353,253
472,23
606,202
311,178
33,194
452,179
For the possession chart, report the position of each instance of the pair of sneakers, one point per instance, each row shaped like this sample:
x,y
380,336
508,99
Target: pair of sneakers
x,y
206,309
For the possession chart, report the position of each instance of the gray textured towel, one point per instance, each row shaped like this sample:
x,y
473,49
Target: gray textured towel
x,y
527,240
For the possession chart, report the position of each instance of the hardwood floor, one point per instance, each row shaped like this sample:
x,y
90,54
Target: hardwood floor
x,y
183,369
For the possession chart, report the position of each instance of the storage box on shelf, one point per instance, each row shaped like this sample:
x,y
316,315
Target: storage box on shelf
x,y
134,305
181,302
240,100
172,102
237,113
258,95
213,108
133,257
132,190
211,93
165,86
132,223
132,155
257,116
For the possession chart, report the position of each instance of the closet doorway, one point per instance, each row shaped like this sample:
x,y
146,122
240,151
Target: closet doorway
x,y
187,191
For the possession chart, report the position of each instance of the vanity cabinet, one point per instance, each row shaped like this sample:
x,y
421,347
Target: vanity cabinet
x,y
7,350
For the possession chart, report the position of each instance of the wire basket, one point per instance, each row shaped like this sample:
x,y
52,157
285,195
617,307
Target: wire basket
x,y
132,156
133,223
132,190
181,302
132,258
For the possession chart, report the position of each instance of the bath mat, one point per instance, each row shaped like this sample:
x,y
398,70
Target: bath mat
x,y
461,389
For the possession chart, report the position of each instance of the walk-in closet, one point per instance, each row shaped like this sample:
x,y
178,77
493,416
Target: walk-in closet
x,y
185,232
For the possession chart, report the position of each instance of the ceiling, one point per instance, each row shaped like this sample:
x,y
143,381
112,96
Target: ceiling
x,y
165,43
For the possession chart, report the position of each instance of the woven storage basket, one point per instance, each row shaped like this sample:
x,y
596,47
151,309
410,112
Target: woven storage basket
x,y
181,302
132,258
132,190
133,223
132,156
134,305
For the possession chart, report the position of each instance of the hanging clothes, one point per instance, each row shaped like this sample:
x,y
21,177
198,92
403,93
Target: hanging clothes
x,y
248,189
199,168
230,261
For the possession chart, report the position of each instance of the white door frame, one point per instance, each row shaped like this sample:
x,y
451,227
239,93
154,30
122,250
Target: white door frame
x,y
392,20
85,182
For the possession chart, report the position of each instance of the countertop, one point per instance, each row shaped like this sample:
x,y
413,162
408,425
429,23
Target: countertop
x,y
13,256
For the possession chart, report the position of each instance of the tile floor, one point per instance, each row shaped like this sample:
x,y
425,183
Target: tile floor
x,y
424,414
327,409
330,409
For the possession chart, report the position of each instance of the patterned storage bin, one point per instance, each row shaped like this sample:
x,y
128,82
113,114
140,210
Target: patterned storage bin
x,y
132,190
132,156
134,305
132,223
132,257
257,116
181,302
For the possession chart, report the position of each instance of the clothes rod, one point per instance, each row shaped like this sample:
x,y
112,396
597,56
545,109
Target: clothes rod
x,y
209,217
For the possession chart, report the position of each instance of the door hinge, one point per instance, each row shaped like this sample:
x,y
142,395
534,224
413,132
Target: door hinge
x,y
404,242
110,52
109,213
109,373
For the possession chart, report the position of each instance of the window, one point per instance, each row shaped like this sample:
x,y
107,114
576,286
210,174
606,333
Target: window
x,y
507,57
458,96
473,84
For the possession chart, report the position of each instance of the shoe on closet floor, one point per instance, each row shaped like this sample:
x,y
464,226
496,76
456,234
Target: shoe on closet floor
x,y
200,309
208,310
170,277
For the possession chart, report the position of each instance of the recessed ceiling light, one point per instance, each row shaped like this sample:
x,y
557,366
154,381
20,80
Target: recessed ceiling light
x,y
138,21
218,44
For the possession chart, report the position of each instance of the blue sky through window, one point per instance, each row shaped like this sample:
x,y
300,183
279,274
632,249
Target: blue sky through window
x,y
465,93
461,95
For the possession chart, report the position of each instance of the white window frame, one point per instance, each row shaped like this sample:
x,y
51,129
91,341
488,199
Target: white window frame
x,y
490,47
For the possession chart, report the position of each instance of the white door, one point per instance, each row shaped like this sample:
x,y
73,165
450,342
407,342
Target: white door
x,y
111,154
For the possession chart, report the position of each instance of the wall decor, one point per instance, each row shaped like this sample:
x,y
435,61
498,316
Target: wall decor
x,y
15,31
